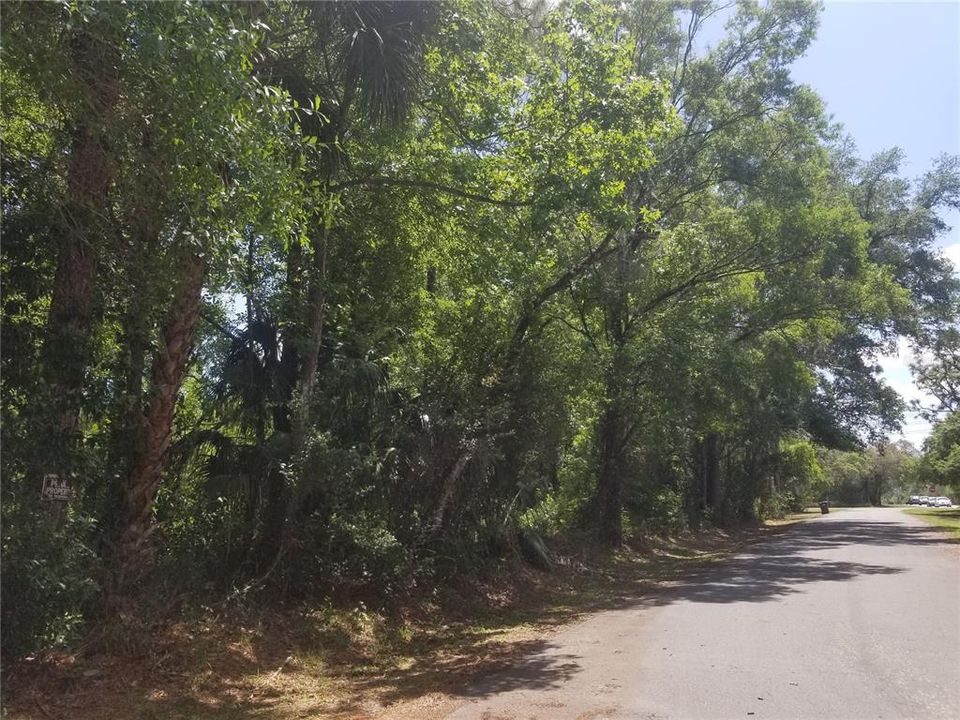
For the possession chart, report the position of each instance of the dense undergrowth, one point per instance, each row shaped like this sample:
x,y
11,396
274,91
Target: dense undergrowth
x,y
347,658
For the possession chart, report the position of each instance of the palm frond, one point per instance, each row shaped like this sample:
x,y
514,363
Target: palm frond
x,y
382,56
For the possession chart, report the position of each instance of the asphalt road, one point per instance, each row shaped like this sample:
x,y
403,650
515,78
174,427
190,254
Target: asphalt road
x,y
855,614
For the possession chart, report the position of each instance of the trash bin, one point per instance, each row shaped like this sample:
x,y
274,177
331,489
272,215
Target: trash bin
x,y
824,507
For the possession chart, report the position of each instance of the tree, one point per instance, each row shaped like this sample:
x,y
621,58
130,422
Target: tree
x,y
937,370
171,147
940,464
80,66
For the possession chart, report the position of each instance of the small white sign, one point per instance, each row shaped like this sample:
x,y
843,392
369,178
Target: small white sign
x,y
55,488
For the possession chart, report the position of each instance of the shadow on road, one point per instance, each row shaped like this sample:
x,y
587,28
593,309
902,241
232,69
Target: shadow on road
x,y
782,566
541,672
763,578
768,571
833,533
531,665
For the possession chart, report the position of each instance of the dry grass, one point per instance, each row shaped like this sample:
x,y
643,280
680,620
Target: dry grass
x,y
347,663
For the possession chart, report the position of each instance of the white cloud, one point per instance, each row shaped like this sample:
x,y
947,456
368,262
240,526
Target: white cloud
x,y
952,253
895,369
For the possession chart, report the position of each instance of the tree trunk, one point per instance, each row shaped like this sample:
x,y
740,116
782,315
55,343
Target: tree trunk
x,y
613,432
610,480
310,360
279,501
289,335
713,492
299,363
170,363
449,488
67,345
877,490
137,320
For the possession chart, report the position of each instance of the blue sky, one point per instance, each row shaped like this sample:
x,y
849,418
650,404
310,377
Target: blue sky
x,y
890,73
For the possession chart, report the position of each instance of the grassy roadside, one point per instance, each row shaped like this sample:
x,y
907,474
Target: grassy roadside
x,y
948,518
352,663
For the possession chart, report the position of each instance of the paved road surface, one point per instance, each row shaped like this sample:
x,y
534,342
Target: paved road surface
x,y
852,615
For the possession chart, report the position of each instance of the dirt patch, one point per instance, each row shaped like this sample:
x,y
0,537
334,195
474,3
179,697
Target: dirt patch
x,y
287,663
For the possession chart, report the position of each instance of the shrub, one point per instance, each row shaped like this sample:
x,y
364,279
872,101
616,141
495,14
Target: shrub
x,y
48,578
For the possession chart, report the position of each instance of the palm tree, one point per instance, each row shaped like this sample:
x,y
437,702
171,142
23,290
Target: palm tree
x,y
365,65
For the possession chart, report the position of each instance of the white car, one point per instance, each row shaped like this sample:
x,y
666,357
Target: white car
x,y
942,502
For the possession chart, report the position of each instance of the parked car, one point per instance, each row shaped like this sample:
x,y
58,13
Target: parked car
x,y
924,500
943,502
914,500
